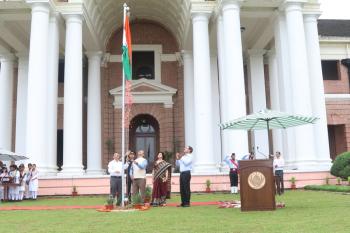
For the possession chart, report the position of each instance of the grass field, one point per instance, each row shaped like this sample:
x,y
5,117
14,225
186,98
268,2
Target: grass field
x,y
305,211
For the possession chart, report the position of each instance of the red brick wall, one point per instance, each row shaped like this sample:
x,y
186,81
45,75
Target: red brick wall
x,y
171,120
338,113
340,86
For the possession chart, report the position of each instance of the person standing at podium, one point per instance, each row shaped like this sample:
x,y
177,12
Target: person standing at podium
x,y
278,164
233,165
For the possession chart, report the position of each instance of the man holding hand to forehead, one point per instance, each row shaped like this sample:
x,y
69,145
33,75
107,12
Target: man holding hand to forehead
x,y
185,163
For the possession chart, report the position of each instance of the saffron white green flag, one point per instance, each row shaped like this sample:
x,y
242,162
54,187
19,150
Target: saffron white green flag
x,y
126,48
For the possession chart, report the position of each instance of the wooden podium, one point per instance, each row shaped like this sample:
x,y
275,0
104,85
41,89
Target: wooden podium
x,y
257,186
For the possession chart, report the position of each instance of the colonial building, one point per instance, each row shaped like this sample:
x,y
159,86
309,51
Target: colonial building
x,y
196,64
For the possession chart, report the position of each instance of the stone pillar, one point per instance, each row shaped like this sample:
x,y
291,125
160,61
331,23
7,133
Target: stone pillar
x,y
274,99
73,97
52,93
6,101
258,98
94,133
21,106
284,84
299,76
202,94
233,80
225,150
36,138
215,109
317,91
188,98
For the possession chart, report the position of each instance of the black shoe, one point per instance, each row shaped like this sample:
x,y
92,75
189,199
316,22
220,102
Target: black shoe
x,y
185,205
181,205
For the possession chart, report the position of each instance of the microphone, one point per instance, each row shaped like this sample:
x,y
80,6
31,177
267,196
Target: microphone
x,y
257,149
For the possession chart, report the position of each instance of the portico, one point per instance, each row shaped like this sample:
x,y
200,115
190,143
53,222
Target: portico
x,y
200,63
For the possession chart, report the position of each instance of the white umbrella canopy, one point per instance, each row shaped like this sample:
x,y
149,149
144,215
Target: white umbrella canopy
x,y
268,119
6,155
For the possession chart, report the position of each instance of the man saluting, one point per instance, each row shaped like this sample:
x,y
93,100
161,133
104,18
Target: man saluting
x,y
185,163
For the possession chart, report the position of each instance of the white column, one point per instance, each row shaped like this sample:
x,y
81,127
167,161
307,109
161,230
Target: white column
x,y
37,83
225,150
299,75
94,134
6,100
215,109
258,98
52,93
188,98
284,84
202,95
73,97
274,99
317,91
21,107
233,80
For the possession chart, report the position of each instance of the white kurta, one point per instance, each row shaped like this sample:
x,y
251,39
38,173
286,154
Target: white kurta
x,y
33,182
22,186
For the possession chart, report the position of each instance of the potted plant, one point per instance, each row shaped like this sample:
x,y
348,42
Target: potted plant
x,y
136,201
207,183
327,180
74,191
148,194
338,181
110,203
292,183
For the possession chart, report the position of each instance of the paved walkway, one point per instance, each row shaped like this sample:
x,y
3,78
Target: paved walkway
x,y
6,208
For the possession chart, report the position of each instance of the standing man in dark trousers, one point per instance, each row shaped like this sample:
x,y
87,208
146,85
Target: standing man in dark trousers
x,y
185,164
278,164
115,169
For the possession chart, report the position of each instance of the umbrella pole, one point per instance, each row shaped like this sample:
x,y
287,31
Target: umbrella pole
x,y
268,136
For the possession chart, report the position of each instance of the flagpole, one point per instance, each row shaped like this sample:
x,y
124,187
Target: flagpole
x,y
123,115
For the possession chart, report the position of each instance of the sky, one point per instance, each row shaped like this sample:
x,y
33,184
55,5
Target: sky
x,y
335,9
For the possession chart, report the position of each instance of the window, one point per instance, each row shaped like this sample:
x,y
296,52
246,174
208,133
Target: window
x,y
143,65
330,70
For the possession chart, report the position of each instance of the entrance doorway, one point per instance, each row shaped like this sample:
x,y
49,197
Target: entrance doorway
x,y
144,135
337,140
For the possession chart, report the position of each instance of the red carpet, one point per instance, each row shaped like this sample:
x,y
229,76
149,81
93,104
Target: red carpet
x,y
88,207
49,207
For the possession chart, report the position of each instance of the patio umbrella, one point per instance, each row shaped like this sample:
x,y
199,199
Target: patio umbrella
x,y
6,155
268,119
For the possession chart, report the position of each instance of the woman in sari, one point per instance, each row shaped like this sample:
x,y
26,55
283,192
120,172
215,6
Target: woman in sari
x,y
161,179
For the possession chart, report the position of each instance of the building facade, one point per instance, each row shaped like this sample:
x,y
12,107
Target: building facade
x,y
196,64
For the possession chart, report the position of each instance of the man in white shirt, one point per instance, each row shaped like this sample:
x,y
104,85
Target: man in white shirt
x,y
138,174
115,169
185,164
278,164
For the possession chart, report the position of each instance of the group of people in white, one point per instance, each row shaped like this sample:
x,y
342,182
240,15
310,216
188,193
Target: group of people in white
x,y
17,182
278,165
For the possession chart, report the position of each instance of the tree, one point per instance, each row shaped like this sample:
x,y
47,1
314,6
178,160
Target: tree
x,y
341,166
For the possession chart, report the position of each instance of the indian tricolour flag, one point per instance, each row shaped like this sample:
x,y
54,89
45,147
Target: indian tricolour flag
x,y
127,66
127,51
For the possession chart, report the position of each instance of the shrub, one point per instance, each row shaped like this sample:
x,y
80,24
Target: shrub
x,y
332,188
327,180
136,199
148,191
341,166
292,180
208,183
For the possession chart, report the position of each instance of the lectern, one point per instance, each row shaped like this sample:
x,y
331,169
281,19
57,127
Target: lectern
x,y
257,186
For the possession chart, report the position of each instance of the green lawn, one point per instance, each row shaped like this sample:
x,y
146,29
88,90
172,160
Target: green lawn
x,y
306,211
